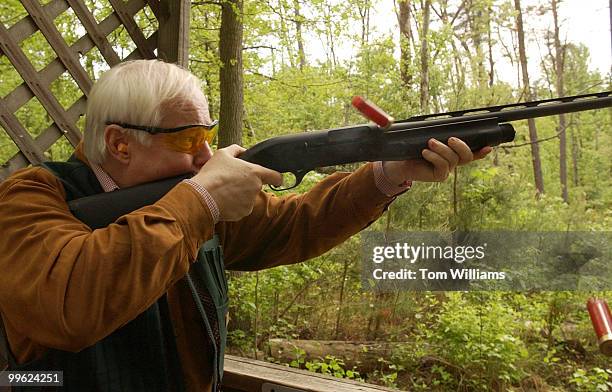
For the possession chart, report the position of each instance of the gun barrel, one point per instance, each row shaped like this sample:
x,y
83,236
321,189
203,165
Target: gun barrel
x,y
514,112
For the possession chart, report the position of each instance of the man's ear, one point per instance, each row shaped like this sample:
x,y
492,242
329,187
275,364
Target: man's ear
x,y
117,143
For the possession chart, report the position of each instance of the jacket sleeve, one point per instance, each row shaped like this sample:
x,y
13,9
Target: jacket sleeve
x,y
65,286
294,228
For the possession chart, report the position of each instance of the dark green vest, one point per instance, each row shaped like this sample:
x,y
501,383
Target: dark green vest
x,y
142,355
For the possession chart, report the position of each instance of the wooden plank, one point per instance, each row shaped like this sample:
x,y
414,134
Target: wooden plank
x,y
97,36
26,26
132,28
53,36
154,5
50,135
55,68
243,374
20,135
136,55
32,78
44,141
173,44
19,161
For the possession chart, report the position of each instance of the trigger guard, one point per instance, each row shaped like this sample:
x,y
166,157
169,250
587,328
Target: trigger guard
x,y
299,176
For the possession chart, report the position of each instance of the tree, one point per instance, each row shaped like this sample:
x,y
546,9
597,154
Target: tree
x,y
533,133
559,62
403,19
298,34
424,86
231,82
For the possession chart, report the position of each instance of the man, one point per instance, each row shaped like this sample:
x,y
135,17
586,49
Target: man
x,y
140,304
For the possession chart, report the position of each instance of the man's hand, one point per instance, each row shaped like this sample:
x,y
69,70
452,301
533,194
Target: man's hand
x,y
438,161
234,183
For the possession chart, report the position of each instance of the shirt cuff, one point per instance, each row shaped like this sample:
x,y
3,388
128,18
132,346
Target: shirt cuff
x,y
208,199
385,185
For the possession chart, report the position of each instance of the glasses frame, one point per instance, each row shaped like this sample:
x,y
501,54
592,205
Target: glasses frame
x,y
158,130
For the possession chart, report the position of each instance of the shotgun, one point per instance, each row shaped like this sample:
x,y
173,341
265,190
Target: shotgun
x,y
399,140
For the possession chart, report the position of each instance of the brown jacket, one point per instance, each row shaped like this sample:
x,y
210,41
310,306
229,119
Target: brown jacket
x,y
65,286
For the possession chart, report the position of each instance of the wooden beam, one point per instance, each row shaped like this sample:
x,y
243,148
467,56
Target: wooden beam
x,y
132,28
173,44
53,36
249,375
96,35
20,135
136,55
154,5
44,141
26,26
32,78
19,161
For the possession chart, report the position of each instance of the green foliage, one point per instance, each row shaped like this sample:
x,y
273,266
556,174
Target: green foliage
x,y
334,367
480,340
597,380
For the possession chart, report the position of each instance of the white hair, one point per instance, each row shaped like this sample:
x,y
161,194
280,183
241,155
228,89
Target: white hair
x,y
135,92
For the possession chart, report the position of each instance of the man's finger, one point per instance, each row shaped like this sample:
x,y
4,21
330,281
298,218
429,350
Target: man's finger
x,y
461,149
268,176
483,152
440,168
445,152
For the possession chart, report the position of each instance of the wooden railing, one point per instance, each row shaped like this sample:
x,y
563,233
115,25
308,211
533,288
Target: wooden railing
x,y
249,375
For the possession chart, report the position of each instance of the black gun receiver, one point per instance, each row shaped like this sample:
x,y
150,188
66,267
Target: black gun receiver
x,y
303,152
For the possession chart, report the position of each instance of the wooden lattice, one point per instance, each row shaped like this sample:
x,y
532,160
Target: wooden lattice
x,y
166,37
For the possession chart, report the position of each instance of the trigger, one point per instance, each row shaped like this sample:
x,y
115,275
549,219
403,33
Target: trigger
x,y
299,176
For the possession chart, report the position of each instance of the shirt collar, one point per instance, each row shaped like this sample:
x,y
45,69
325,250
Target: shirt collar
x,y
107,183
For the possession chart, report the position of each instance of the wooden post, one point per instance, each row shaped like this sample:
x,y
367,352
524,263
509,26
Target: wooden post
x,y
173,41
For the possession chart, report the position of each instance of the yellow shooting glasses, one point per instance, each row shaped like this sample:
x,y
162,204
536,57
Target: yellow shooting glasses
x,y
188,139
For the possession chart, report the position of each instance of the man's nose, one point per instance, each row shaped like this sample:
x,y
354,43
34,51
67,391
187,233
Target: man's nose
x,y
202,156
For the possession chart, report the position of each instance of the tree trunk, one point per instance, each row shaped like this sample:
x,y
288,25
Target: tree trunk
x,y
231,85
458,83
575,157
533,133
298,34
284,32
329,28
490,45
403,19
424,88
559,62
474,13
364,14
341,299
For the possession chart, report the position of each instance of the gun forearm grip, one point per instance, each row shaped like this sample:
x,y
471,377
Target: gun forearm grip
x,y
309,150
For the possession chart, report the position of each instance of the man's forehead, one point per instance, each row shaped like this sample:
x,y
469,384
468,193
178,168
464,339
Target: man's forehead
x,y
193,108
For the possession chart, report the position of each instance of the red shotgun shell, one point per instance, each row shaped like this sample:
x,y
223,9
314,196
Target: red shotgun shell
x,y
372,112
602,323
